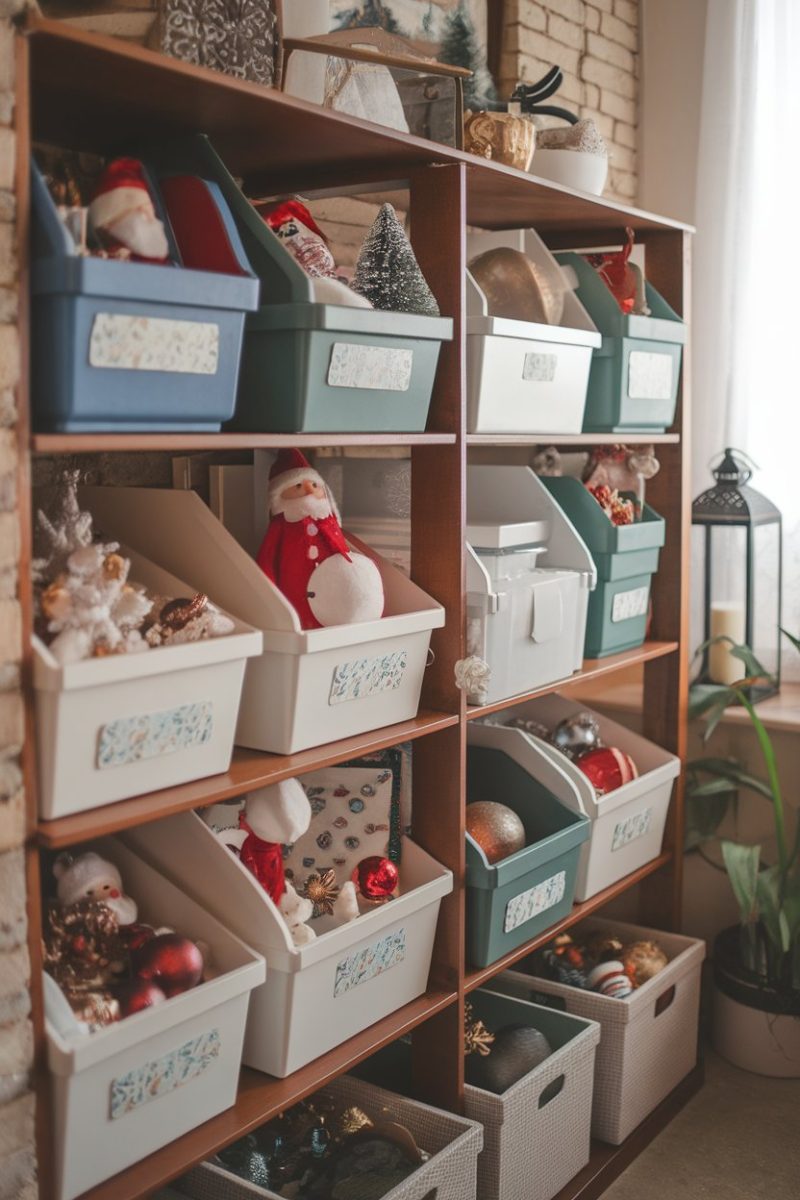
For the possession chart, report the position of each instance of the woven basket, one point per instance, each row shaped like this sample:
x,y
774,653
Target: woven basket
x,y
648,1042
452,1142
536,1135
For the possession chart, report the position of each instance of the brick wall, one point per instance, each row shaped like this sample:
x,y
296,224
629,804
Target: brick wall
x,y
17,1153
596,43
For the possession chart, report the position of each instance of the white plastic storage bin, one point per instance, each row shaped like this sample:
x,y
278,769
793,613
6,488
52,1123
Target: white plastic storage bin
x,y
318,995
529,575
628,823
119,726
648,1041
525,377
123,1092
309,685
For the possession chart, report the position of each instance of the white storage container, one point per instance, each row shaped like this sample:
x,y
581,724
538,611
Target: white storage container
x,y
123,1092
308,685
648,1041
318,995
529,575
628,823
525,377
119,726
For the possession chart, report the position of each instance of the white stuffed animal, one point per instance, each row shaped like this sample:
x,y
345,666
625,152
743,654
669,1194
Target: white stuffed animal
x,y
90,877
296,910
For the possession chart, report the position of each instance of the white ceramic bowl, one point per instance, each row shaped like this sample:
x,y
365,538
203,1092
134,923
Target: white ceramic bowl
x,y
573,168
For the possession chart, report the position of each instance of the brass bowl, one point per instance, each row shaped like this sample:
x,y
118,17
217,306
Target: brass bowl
x,y
503,137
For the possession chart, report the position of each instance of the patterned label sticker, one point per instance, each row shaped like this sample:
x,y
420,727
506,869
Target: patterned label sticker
x,y
373,960
649,375
362,677
539,368
630,604
125,343
162,1075
133,739
631,828
382,368
535,900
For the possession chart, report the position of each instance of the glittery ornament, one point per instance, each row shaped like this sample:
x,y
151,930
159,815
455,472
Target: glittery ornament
x,y
496,828
607,768
95,1009
322,890
618,509
477,1038
642,960
82,948
376,878
517,1050
609,979
576,734
529,725
387,271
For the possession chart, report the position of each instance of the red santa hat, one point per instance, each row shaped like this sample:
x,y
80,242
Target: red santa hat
x,y
122,189
291,467
290,210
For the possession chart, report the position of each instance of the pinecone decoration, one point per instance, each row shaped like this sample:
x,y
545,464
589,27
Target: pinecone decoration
x,y
82,948
387,272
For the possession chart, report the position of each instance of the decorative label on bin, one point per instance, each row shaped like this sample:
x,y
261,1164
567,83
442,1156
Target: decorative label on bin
x,y
378,368
125,343
362,677
133,739
162,1075
630,604
631,828
649,375
535,900
539,368
373,960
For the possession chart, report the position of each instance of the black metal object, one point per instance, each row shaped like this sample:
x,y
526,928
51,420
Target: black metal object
x,y
529,97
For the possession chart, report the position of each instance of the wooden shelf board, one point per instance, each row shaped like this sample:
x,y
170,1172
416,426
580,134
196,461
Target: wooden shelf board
x,y
249,769
572,439
260,1098
478,976
92,92
592,668
79,443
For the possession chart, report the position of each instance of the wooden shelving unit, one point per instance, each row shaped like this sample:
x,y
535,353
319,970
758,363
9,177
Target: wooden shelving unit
x,y
94,93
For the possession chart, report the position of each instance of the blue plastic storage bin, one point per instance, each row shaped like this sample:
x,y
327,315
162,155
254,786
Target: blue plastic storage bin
x,y
633,382
126,346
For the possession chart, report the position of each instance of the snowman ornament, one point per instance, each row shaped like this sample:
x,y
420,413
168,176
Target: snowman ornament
x,y
305,553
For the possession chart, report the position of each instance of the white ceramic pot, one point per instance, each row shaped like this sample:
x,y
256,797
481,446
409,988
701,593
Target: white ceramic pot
x,y
573,168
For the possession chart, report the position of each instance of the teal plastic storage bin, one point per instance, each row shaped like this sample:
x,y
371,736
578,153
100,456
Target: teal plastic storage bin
x,y
311,367
626,557
633,383
126,346
511,901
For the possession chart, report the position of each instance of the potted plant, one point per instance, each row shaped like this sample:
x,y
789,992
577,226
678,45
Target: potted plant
x,y
757,963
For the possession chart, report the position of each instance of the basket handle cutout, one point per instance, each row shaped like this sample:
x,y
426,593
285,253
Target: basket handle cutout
x,y
431,1195
553,1089
664,1000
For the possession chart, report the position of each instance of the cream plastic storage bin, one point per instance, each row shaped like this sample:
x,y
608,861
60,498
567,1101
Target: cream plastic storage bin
x,y
628,823
525,377
648,1041
123,1092
526,621
119,726
318,995
309,685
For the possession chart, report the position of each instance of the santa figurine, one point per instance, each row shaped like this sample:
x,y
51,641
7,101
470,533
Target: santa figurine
x,y
90,877
305,554
293,224
122,216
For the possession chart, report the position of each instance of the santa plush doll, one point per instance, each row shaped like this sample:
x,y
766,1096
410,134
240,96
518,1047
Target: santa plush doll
x,y
305,554
294,225
122,216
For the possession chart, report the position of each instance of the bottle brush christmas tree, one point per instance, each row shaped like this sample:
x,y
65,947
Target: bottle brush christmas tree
x,y
387,271
460,48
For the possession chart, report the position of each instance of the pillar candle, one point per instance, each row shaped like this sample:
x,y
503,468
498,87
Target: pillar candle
x,y
727,617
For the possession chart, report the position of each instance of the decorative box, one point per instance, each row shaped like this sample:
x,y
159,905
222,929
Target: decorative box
x,y
524,377
453,1143
308,684
126,724
626,557
125,346
633,385
529,576
123,1092
513,900
318,995
628,823
536,1134
648,1040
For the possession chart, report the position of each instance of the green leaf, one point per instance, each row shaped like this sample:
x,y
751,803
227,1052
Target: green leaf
x,y
742,863
727,769
704,817
703,696
795,641
751,664
771,911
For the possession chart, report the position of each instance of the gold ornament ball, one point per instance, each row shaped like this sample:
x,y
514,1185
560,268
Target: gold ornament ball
x,y
496,828
643,960
515,287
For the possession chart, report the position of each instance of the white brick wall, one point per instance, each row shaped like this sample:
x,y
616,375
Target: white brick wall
x,y
596,43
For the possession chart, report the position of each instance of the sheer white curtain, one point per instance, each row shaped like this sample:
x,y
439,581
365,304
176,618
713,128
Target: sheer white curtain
x,y
746,294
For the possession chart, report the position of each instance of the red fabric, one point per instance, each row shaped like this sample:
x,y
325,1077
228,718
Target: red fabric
x,y
198,226
291,210
265,860
287,460
283,557
121,173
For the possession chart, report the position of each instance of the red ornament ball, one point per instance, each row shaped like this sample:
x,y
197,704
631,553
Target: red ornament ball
x,y
138,995
376,878
607,768
172,962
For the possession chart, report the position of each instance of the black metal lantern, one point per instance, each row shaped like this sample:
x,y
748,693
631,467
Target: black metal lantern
x,y
740,547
